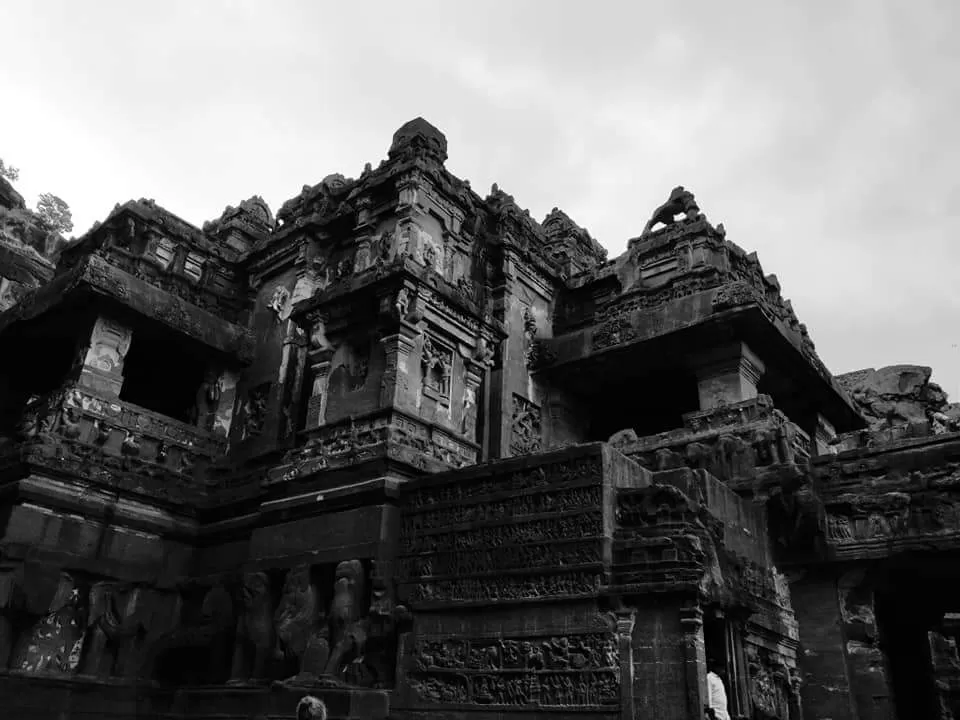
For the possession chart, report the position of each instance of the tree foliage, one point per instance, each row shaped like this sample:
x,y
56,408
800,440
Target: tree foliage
x,y
55,212
9,172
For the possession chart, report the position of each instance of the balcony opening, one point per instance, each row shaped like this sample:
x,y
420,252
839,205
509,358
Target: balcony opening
x,y
163,371
650,403
37,363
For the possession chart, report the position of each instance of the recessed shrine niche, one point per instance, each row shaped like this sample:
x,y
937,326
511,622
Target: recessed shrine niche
x,y
353,385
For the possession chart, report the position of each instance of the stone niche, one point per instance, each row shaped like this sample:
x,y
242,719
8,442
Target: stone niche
x,y
353,383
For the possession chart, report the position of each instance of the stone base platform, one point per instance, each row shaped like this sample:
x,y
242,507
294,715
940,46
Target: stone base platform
x,y
60,697
260,703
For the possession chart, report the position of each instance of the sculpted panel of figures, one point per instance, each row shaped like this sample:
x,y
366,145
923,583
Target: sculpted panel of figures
x,y
556,475
517,506
580,526
496,589
526,429
564,671
511,557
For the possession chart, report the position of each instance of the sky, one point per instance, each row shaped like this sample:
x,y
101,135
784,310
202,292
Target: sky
x,y
822,134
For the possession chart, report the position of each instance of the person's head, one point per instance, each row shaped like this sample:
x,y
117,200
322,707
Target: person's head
x,y
714,665
311,708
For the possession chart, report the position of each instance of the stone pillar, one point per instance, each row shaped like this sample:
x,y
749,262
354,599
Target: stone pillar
x,y
223,415
727,375
866,668
103,361
625,619
476,362
319,360
695,660
400,376
822,436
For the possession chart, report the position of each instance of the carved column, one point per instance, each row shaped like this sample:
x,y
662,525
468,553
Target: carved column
x,y
823,434
727,375
318,357
223,415
625,619
695,657
290,378
476,363
866,669
103,360
402,311
397,388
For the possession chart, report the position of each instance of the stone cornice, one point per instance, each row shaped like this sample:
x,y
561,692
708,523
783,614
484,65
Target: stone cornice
x,y
95,274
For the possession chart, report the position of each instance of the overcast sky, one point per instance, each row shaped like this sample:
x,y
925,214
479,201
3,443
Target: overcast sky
x,y
822,134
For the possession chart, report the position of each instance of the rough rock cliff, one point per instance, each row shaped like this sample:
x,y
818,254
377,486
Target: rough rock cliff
x,y
28,247
900,395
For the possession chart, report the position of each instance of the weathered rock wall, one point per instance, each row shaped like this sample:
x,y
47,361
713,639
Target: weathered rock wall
x,y
26,247
899,395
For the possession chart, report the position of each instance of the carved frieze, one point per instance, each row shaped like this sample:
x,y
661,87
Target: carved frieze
x,y
572,671
557,528
456,539
613,332
734,295
497,588
514,506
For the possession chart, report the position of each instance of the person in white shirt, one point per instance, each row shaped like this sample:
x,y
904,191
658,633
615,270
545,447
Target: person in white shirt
x,y
716,692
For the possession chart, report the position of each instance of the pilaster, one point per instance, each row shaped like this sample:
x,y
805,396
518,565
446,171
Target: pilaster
x,y
397,387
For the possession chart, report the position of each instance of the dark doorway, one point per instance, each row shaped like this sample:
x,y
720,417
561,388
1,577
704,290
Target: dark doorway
x,y
905,613
163,371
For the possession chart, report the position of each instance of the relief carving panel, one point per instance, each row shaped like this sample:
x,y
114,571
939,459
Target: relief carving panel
x,y
574,671
526,430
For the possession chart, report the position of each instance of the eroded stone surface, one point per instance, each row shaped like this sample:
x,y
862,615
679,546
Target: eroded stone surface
x,y
900,395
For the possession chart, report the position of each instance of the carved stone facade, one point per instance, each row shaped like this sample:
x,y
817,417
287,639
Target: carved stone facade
x,y
403,450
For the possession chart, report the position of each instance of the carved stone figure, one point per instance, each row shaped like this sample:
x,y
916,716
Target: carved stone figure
x,y
681,201
348,629
255,636
402,303
111,632
301,627
318,335
280,303
484,352
207,400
